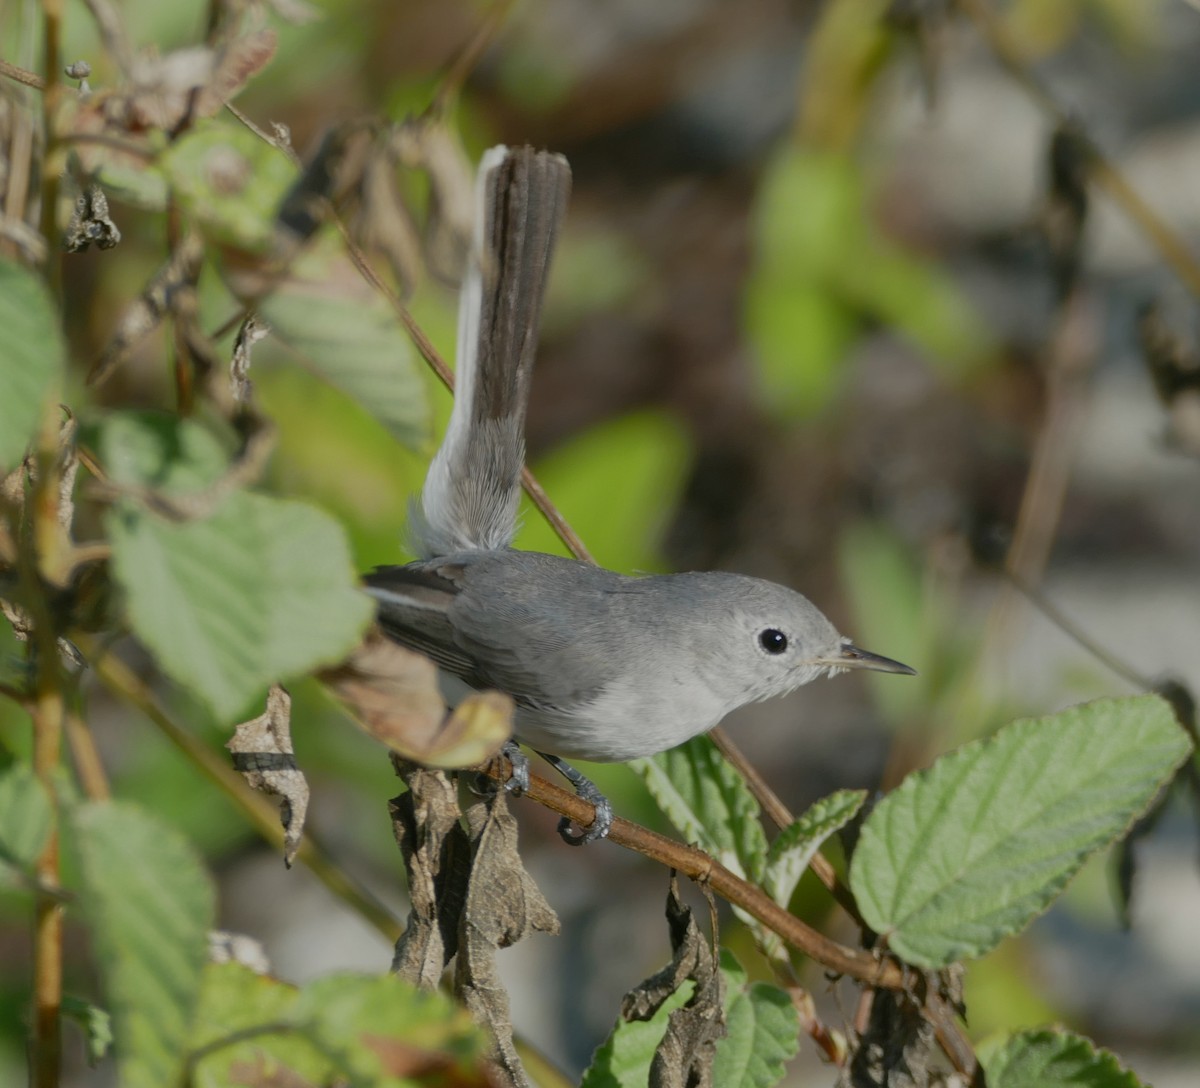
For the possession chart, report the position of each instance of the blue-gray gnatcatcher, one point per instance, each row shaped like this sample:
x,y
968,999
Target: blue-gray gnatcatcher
x,y
602,666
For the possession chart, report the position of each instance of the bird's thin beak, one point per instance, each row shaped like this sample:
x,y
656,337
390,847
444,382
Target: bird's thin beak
x,y
851,657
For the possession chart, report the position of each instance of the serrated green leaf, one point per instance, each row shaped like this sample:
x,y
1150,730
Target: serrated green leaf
x,y
150,904
709,803
94,1022
242,1024
972,849
793,848
789,854
261,590
1050,1059
762,1032
348,334
623,1059
372,1026
26,816
32,353
229,181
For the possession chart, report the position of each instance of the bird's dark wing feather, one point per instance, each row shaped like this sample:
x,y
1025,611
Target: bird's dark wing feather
x,y
503,638
413,607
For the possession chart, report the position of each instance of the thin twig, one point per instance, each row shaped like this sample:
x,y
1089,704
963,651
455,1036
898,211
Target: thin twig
x,y
1072,630
22,75
88,765
468,57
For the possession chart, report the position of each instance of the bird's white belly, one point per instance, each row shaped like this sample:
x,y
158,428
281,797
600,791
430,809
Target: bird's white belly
x,y
619,725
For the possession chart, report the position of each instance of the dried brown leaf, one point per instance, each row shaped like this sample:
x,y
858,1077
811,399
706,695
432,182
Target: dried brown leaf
x,y
90,222
251,332
393,694
436,855
684,1057
503,905
262,752
189,83
898,1047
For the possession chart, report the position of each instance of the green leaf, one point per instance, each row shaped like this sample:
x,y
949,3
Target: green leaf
x,y
262,590
1049,1059
762,1032
972,849
32,354
375,1027
343,330
793,848
709,803
94,1022
242,1024
26,816
623,1059
150,904
229,181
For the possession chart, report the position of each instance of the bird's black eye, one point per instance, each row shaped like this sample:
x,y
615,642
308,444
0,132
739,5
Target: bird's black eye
x,y
773,641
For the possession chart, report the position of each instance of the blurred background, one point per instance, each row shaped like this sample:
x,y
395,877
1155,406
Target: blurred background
x,y
833,307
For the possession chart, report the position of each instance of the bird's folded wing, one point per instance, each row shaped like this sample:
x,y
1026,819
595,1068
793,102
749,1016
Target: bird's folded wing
x,y
413,605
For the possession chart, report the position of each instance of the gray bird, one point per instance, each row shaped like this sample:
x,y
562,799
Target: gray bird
x,y
602,666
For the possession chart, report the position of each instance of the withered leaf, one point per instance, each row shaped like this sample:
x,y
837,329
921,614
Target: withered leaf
x,y
91,223
262,752
393,694
684,1057
503,905
436,852
898,1048
190,83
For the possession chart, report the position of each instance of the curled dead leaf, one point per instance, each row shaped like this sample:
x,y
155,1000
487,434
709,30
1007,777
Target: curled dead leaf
x,y
393,694
262,752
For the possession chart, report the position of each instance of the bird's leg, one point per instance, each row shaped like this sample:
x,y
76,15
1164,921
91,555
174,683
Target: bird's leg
x,y
518,779
586,789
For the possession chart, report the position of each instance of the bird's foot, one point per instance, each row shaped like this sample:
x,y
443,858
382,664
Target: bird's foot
x,y
586,790
518,779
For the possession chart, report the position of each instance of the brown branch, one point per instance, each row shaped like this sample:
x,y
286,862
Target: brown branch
x,y
701,867
867,968
22,75
88,765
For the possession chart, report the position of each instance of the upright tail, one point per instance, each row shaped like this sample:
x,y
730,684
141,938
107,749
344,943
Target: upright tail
x,y
473,487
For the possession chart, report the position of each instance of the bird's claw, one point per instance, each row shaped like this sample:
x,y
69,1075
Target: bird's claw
x,y
599,828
